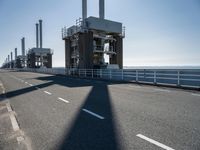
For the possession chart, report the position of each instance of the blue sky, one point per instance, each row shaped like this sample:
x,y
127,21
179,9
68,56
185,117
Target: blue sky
x,y
158,32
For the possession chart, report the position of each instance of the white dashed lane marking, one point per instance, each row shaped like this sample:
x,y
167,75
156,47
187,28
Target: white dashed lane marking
x,y
134,86
62,99
47,92
194,94
94,114
162,90
154,142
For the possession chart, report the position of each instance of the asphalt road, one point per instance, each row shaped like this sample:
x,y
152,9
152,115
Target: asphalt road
x,y
57,112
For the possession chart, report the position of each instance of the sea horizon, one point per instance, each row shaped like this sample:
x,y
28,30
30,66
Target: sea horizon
x,y
156,67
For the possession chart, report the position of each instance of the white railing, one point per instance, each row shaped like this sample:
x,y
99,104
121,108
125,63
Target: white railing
x,y
175,77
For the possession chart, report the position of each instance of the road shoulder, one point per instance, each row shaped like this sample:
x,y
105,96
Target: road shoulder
x,y
11,137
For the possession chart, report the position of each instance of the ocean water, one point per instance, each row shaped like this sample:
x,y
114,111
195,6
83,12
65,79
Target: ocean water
x,y
153,67
161,67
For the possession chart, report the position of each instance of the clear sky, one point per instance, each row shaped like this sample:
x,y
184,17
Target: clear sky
x,y
158,32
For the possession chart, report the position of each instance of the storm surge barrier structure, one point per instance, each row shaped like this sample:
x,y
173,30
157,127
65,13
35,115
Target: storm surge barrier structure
x,y
189,78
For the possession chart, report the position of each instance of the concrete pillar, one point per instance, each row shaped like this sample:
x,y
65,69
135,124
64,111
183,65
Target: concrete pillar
x,y
119,51
32,60
49,61
67,53
85,45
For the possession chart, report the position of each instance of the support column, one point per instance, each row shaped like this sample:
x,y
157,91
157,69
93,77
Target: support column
x,y
119,51
67,53
85,45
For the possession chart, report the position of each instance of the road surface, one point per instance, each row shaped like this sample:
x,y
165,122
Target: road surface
x,y
58,112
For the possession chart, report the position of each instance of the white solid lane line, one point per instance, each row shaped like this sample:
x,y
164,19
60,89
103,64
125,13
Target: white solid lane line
x,y
20,138
154,142
14,122
3,89
162,90
12,118
94,114
8,107
62,99
47,92
135,86
194,94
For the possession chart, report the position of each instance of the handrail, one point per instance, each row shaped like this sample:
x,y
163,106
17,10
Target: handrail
x,y
186,78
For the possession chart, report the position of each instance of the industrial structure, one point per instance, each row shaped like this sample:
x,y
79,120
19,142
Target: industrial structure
x,y
92,39
36,57
21,59
9,62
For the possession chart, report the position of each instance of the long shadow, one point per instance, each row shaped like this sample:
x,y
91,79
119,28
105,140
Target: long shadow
x,y
64,81
74,82
25,90
89,132
52,79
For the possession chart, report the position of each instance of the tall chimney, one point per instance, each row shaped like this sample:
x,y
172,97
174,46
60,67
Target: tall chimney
x,y
15,53
37,35
8,61
11,56
40,23
84,9
23,46
101,9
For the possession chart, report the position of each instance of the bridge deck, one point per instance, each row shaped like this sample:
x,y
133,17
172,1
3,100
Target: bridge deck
x,y
57,112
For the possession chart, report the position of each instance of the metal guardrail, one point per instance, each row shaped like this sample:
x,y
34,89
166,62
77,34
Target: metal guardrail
x,y
174,77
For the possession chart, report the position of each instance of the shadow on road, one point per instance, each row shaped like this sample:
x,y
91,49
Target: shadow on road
x,y
71,82
90,133
25,90
86,132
